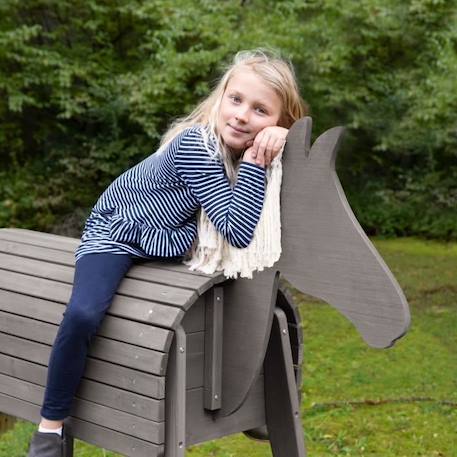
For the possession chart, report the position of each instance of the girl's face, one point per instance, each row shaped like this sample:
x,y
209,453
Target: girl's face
x,y
248,105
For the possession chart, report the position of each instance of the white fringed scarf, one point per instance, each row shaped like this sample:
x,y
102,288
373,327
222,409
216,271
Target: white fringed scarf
x,y
211,252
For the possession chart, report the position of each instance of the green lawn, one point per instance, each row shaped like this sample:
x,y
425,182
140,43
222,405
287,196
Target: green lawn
x,y
359,401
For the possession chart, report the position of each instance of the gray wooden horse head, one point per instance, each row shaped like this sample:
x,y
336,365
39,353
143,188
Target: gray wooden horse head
x,y
325,254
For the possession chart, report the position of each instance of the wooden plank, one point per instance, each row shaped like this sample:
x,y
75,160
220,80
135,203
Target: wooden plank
x,y
138,405
125,307
40,239
283,418
91,433
50,273
18,250
36,252
194,319
200,284
92,412
97,370
248,313
55,290
66,259
103,348
123,377
213,348
203,425
175,432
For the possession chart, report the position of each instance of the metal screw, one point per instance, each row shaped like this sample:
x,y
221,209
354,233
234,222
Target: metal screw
x,y
181,349
180,444
216,397
284,331
218,298
150,311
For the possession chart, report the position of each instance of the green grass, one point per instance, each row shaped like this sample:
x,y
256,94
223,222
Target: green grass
x,y
358,401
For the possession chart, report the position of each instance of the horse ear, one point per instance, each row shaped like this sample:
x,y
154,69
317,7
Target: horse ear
x,y
299,137
325,148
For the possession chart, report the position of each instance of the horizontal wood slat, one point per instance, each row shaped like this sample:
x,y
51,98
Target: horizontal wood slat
x,y
92,433
92,412
67,244
47,240
138,405
125,307
102,348
124,330
36,270
19,251
97,370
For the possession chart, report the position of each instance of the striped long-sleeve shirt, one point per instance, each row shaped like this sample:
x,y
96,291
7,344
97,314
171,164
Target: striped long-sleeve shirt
x,y
150,210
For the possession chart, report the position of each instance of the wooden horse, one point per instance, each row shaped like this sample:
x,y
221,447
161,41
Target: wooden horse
x,y
184,357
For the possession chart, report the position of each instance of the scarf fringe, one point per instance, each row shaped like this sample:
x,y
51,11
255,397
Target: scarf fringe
x,y
211,252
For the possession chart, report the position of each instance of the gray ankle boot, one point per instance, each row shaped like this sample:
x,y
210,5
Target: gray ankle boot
x,y
51,445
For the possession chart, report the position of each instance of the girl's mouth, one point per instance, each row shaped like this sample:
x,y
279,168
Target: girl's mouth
x,y
237,129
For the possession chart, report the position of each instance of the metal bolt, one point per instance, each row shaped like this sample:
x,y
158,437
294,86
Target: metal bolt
x,y
284,331
141,334
218,298
216,397
181,349
136,357
180,444
134,404
150,311
296,413
133,381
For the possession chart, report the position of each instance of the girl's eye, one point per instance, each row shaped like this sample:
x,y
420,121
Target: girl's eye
x,y
261,110
235,98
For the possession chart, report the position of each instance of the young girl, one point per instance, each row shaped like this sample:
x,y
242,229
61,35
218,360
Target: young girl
x,y
149,211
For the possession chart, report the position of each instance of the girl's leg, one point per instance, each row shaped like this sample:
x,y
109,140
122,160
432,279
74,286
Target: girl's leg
x,y
97,277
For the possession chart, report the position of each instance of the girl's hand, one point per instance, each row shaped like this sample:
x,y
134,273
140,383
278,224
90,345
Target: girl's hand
x,y
267,144
248,156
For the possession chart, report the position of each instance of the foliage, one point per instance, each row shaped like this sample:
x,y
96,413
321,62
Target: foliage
x,y
88,86
359,401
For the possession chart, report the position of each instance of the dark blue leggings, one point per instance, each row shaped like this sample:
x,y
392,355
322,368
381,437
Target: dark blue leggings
x,y
97,277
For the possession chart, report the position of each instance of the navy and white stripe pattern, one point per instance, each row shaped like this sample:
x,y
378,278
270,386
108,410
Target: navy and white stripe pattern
x,y
149,211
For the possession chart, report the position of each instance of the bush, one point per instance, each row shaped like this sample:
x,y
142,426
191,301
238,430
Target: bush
x,y
88,86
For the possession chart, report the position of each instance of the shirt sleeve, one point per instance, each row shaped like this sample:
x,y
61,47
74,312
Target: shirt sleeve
x,y
235,211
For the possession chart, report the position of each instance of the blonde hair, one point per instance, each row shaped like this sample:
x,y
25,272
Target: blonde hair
x,y
268,65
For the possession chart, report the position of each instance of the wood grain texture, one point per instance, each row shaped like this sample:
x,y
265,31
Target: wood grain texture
x,y
213,348
325,251
175,429
248,313
86,410
89,432
282,407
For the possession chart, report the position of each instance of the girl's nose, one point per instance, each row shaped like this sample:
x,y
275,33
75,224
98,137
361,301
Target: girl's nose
x,y
242,114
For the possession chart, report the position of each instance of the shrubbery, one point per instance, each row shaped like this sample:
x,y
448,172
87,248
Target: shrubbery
x,y
88,86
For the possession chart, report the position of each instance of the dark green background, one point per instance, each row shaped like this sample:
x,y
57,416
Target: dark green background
x,y
88,87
